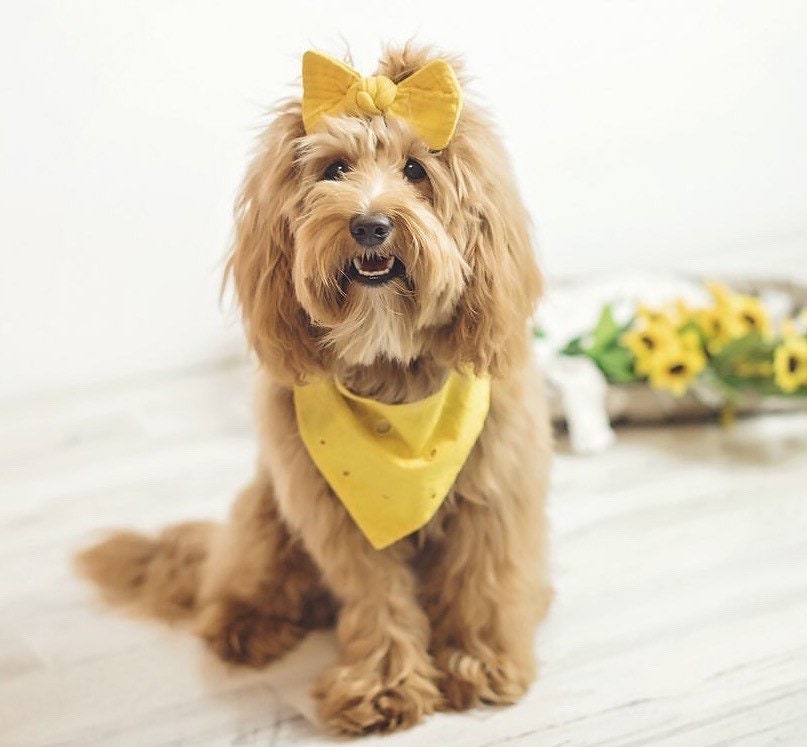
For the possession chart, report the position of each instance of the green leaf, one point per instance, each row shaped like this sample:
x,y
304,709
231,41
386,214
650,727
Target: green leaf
x,y
616,363
751,348
574,347
606,333
764,387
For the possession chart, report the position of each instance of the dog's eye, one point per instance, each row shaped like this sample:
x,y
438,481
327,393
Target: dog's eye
x,y
414,170
336,171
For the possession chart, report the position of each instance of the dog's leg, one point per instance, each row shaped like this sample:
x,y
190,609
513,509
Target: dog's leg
x,y
484,577
261,592
484,604
385,678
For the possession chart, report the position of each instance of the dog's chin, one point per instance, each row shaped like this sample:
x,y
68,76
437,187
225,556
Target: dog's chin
x,y
379,316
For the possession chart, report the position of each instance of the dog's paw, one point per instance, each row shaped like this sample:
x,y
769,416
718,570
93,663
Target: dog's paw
x,y
355,701
467,681
241,634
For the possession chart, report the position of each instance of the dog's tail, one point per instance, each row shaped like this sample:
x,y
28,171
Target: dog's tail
x,y
156,575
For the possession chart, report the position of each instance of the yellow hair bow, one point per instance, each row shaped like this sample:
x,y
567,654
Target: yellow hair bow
x,y
429,100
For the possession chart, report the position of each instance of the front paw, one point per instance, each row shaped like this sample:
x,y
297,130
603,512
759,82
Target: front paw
x,y
467,681
354,699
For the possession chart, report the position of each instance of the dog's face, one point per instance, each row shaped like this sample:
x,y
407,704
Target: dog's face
x,y
376,261
356,243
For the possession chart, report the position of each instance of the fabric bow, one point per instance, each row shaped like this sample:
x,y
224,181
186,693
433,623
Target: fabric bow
x,y
429,100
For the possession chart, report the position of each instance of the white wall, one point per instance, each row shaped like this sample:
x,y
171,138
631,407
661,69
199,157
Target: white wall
x,y
645,133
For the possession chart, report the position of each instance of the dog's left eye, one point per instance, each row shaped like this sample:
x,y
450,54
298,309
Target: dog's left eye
x,y
336,171
414,170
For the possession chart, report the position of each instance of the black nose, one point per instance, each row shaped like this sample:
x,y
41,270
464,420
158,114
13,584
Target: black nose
x,y
370,230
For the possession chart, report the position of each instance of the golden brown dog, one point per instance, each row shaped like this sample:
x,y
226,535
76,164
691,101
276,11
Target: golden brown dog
x,y
445,617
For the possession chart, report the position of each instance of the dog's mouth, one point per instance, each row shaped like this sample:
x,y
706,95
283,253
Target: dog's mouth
x,y
374,269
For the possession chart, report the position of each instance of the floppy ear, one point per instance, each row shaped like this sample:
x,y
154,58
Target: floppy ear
x,y
260,264
490,326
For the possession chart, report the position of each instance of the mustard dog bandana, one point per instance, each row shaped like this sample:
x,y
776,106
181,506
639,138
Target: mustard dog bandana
x,y
391,465
429,100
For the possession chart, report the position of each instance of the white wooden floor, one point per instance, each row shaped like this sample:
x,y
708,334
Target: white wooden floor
x,y
680,561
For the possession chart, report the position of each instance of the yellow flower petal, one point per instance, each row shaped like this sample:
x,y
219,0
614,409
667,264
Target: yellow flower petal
x,y
720,293
690,340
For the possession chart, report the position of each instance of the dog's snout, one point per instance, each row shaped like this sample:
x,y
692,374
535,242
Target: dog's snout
x,y
370,230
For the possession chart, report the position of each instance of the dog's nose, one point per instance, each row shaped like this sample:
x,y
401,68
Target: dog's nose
x,y
370,230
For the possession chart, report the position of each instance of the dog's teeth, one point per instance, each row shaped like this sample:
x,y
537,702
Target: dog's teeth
x,y
357,263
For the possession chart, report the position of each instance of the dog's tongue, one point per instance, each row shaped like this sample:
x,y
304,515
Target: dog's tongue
x,y
373,264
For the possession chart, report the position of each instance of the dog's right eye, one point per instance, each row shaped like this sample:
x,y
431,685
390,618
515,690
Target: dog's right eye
x,y
336,171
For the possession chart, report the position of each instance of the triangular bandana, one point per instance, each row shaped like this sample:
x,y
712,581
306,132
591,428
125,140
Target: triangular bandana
x,y
391,465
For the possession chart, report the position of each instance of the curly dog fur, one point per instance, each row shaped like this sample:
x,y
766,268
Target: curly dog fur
x,y
444,618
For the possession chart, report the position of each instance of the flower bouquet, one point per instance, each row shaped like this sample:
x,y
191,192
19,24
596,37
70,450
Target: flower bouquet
x,y
729,346
650,348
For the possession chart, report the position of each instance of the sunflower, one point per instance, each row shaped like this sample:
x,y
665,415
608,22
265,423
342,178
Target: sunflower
x,y
719,326
733,315
676,367
647,340
790,364
752,315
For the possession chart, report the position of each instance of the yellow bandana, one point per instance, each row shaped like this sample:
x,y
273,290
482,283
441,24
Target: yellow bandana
x,y
429,100
391,465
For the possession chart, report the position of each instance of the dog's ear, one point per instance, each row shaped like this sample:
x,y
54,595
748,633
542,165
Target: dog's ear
x,y
490,326
260,264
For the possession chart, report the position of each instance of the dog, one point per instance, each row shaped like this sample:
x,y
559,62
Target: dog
x,y
367,258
